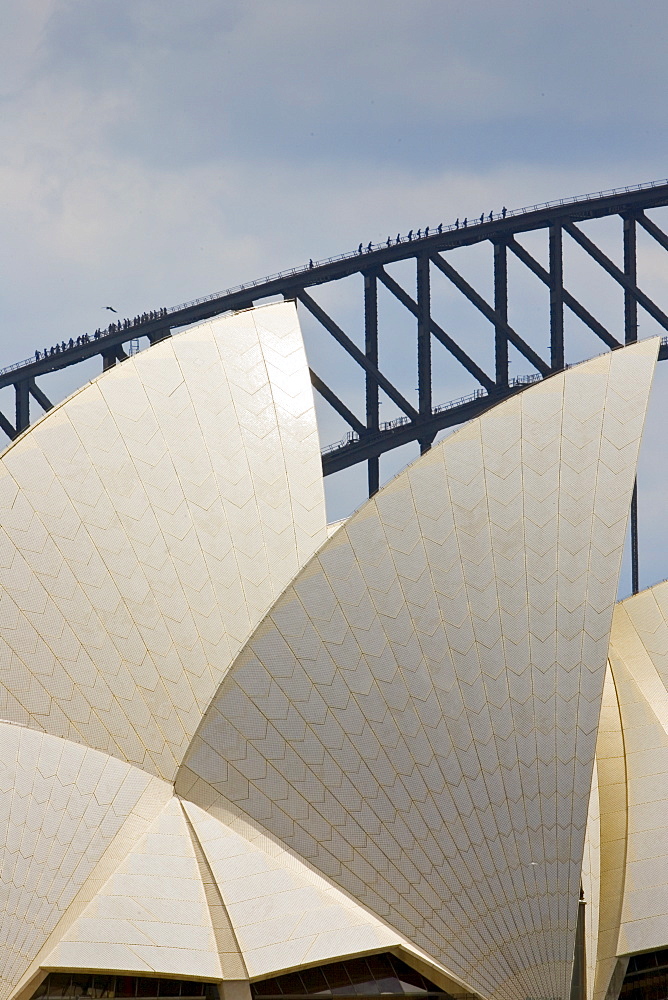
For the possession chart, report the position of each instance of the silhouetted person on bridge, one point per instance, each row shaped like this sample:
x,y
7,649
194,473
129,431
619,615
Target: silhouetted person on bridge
x,y
491,216
503,212
482,218
71,343
36,355
457,223
368,249
410,235
465,222
398,237
440,227
359,249
310,263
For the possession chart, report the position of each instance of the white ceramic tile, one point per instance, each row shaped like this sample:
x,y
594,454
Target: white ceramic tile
x,y
536,732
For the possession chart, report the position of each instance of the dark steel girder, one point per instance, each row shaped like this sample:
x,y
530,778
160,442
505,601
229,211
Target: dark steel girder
x,y
354,351
652,229
330,396
497,231
499,322
626,281
422,422
371,445
369,439
569,300
465,361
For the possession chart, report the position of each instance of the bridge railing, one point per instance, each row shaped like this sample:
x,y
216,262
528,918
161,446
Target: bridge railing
x,y
352,437
249,285
450,227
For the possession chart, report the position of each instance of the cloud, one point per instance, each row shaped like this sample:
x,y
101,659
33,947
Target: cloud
x,y
154,152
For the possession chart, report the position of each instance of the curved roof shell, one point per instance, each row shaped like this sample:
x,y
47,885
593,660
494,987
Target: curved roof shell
x,y
147,525
236,746
417,715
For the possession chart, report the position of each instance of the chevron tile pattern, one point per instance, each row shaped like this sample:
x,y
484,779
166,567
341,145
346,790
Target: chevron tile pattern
x,y
152,915
284,915
64,809
639,661
146,527
235,742
417,716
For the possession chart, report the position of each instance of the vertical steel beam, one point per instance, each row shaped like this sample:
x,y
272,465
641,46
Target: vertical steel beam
x,y
108,359
630,270
501,309
424,344
556,298
630,337
371,351
22,390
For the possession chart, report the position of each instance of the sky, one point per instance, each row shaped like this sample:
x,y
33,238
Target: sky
x,y
155,151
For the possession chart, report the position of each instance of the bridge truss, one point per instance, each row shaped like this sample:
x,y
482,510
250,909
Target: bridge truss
x,y
420,420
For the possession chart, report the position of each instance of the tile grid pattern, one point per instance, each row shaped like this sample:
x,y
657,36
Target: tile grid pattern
x,y
191,898
152,915
591,881
639,660
407,720
611,772
147,525
417,717
62,807
282,914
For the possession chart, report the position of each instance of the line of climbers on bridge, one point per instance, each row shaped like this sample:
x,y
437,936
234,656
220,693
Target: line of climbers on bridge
x,y
122,324
412,235
420,234
128,324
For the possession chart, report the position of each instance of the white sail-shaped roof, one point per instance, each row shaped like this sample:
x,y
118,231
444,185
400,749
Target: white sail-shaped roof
x,y
417,715
237,744
639,665
147,525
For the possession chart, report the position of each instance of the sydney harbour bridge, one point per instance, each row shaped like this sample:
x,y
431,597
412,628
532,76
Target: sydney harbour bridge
x,y
421,417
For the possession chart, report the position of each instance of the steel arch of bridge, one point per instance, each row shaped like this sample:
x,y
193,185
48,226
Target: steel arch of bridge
x,y
368,438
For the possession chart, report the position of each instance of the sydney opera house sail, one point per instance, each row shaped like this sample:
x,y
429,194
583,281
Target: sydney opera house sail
x,y
247,756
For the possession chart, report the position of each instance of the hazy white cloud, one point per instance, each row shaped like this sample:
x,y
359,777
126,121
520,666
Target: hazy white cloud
x,y
154,151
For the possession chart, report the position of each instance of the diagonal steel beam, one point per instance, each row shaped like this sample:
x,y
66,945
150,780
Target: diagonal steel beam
x,y
490,313
652,229
336,403
624,280
569,300
6,427
437,331
355,353
39,396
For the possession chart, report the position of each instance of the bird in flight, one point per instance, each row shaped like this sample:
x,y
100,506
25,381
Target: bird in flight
x,y
110,308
